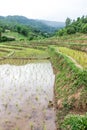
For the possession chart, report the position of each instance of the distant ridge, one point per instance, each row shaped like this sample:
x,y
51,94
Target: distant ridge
x,y
53,23
42,25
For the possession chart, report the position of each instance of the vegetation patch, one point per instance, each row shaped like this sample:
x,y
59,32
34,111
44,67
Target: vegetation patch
x,y
2,54
70,86
29,52
75,122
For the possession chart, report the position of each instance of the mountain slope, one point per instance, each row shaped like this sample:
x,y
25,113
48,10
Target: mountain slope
x,y
53,23
42,25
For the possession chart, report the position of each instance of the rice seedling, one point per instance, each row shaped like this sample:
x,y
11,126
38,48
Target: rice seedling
x,y
16,128
80,57
31,125
44,126
37,98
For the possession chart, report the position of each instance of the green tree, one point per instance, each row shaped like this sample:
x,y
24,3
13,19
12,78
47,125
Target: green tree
x,y
24,31
0,32
68,22
71,30
61,32
84,28
18,28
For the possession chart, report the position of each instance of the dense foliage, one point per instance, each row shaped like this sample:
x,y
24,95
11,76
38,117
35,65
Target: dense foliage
x,y
74,26
5,38
75,122
25,30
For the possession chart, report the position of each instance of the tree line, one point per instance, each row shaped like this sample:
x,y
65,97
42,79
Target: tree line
x,y
25,30
74,26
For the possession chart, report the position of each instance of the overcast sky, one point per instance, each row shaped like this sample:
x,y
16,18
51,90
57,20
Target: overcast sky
x,y
54,10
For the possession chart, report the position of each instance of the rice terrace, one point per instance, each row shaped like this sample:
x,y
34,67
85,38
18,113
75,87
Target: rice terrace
x,y
43,78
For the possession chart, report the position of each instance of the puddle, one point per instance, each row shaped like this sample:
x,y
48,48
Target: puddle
x,y
26,97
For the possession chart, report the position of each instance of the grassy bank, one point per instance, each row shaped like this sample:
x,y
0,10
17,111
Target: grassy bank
x,y
70,87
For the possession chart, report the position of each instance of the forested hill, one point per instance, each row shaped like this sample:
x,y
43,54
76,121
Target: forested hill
x,y
74,26
53,23
42,25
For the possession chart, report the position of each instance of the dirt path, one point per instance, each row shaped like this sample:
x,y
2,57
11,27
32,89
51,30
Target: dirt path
x,y
26,97
78,65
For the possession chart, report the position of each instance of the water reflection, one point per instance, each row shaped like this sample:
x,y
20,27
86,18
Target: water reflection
x,y
25,94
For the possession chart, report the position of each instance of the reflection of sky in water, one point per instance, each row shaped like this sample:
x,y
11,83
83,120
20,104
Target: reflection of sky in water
x,y
25,87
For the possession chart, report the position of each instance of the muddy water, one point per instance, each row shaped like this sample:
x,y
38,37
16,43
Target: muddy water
x,y
26,97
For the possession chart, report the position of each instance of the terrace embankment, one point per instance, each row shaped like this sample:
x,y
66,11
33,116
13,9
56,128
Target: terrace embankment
x,y
70,86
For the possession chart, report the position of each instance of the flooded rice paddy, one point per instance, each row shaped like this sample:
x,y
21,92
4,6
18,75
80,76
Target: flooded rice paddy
x,y
26,97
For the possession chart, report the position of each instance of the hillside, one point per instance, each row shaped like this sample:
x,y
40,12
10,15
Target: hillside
x,y
74,26
54,24
42,25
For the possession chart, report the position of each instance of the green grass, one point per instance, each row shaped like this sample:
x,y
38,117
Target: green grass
x,y
75,122
2,54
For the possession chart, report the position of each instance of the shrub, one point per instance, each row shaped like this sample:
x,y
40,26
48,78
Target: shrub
x,y
70,30
75,122
61,32
84,28
4,39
